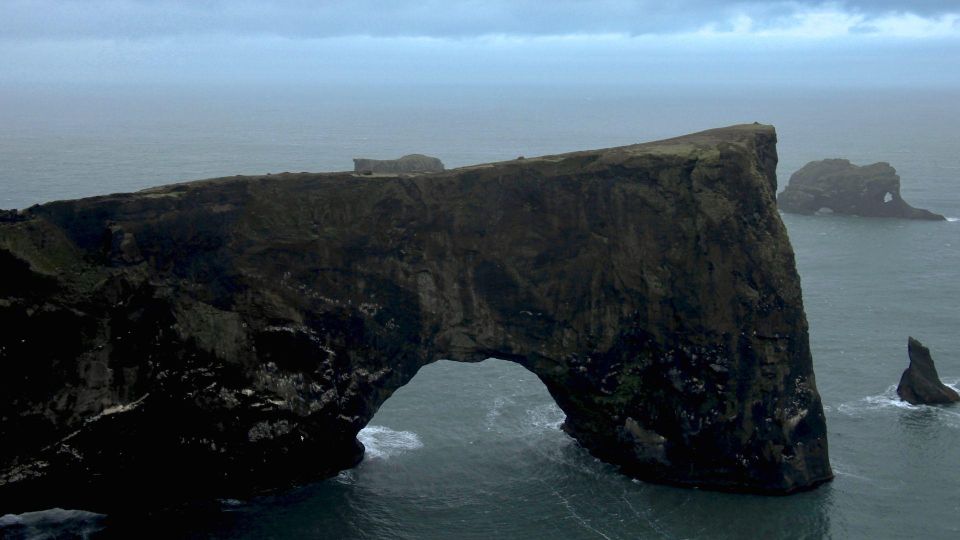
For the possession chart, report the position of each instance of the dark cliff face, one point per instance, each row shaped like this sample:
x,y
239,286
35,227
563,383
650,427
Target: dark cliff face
x,y
222,337
844,188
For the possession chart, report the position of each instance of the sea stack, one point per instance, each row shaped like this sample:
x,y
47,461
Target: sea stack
x,y
840,187
412,163
219,338
920,384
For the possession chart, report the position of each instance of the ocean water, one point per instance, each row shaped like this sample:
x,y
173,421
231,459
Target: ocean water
x,y
475,450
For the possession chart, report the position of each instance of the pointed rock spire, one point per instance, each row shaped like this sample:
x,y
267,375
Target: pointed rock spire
x,y
920,384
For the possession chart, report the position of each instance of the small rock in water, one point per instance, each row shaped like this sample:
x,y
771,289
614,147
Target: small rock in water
x,y
920,384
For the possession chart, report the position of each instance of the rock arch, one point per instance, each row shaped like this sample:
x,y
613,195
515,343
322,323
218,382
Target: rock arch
x,y
226,336
494,401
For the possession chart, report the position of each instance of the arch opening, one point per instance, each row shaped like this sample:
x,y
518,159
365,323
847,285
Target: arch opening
x,y
453,410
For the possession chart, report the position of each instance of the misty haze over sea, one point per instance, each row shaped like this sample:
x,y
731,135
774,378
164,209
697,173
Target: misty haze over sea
x,y
106,96
492,460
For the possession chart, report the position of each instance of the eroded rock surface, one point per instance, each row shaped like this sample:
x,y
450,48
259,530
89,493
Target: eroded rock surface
x,y
412,163
838,186
221,337
920,384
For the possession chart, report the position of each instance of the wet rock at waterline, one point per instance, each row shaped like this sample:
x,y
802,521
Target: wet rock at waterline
x,y
223,337
920,384
840,187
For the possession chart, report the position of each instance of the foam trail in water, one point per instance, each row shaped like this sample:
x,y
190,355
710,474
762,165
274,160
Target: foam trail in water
x,y
585,523
889,400
382,442
841,470
496,410
953,219
886,400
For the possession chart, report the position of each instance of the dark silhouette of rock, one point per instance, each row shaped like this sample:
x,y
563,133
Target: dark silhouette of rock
x,y
222,337
838,186
10,215
920,384
413,163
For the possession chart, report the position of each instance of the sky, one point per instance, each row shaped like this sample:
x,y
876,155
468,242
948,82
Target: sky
x,y
893,43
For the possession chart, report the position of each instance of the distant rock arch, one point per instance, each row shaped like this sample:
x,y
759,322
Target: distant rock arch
x,y
845,188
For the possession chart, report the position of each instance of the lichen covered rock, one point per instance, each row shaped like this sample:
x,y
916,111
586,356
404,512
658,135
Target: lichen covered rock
x,y
222,337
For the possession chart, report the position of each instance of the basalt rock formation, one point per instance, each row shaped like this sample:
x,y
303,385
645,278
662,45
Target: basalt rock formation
x,y
838,186
920,384
222,337
412,163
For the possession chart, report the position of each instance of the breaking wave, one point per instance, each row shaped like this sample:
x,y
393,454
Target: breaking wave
x,y
889,400
52,523
547,416
382,442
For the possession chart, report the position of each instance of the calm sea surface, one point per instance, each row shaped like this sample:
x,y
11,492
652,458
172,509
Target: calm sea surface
x,y
475,450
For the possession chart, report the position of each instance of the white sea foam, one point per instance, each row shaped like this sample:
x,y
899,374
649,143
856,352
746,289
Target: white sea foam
x,y
52,523
382,442
889,400
886,400
546,417
347,477
953,219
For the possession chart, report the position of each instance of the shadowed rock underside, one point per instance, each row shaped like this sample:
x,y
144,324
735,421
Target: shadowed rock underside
x,y
223,337
840,187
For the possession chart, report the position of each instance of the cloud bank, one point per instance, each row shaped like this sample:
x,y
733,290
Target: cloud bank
x,y
794,42
460,19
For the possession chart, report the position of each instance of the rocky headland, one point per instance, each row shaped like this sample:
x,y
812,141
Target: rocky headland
x,y
223,337
411,163
840,187
920,383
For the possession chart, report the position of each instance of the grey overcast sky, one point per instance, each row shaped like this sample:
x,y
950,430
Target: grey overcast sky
x,y
855,42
